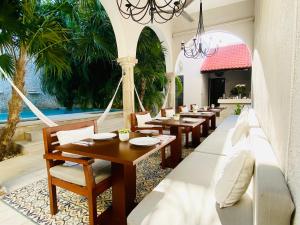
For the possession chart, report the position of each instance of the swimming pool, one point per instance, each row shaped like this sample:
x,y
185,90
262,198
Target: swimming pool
x,y
28,115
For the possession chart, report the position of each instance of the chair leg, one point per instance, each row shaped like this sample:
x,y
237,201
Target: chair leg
x,y
92,204
163,158
53,198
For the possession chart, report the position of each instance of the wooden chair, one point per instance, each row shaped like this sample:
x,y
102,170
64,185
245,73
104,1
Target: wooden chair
x,y
89,178
135,127
186,130
163,111
192,105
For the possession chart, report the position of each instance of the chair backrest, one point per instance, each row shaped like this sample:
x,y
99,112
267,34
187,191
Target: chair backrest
x,y
163,111
180,108
192,105
133,120
50,137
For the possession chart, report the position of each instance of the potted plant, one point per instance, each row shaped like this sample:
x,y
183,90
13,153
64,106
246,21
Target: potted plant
x,y
238,109
124,134
239,90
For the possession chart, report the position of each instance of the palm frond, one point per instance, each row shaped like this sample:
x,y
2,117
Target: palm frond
x,y
7,64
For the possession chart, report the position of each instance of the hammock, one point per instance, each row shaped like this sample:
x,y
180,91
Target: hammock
x,y
32,107
163,106
46,119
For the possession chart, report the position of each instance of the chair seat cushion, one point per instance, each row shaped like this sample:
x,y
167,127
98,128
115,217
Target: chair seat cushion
x,y
75,174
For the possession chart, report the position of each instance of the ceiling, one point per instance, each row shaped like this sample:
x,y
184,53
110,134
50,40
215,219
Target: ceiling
x,y
209,4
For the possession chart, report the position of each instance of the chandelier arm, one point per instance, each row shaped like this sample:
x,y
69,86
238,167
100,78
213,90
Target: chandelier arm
x,y
138,20
139,12
164,18
158,12
166,5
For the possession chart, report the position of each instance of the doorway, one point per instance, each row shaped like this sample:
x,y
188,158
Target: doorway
x,y
216,90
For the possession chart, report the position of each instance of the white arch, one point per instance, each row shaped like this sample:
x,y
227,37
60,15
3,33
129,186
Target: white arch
x,y
166,43
231,38
116,21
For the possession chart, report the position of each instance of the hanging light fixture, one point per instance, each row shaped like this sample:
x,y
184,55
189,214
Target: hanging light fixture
x,y
146,11
199,46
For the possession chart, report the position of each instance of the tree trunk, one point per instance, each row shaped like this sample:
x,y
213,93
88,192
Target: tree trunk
x,y
14,106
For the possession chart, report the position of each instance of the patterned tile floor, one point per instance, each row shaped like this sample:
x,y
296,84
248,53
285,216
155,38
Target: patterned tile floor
x,y
32,200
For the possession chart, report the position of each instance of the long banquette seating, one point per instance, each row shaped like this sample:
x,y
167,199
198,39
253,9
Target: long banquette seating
x,y
186,195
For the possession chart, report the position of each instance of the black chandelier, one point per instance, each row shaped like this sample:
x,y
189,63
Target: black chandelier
x,y
146,11
198,47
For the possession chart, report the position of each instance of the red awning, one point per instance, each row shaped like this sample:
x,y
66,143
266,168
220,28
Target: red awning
x,y
230,57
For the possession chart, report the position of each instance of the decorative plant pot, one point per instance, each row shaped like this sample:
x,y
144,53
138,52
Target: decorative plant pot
x,y
124,137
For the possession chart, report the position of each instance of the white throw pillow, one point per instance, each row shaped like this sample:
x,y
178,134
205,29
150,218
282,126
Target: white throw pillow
x,y
142,119
170,112
240,131
185,109
70,136
236,176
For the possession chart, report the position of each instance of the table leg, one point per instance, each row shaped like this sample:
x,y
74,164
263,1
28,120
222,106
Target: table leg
x,y
123,195
196,134
205,127
176,148
213,122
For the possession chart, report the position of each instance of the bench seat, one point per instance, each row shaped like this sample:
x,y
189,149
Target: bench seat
x,y
186,196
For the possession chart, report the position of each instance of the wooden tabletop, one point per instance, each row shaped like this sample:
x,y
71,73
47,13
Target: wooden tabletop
x,y
198,114
176,123
116,151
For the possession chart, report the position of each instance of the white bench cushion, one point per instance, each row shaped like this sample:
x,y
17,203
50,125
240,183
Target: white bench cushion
x,y
273,203
186,196
75,174
218,143
228,123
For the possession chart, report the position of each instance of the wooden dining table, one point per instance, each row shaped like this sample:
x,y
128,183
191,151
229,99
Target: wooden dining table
x,y
176,129
210,120
124,158
216,110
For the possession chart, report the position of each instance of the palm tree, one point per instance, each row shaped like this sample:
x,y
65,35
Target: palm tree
x,y
92,50
150,77
29,29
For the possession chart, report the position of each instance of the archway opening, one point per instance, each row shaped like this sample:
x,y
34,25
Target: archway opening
x,y
92,79
217,76
150,72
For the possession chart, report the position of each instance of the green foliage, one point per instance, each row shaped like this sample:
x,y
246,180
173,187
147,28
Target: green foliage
x,y
239,89
179,86
7,63
238,109
30,25
150,78
91,49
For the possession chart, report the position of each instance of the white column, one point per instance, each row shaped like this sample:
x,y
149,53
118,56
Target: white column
x,y
172,94
127,64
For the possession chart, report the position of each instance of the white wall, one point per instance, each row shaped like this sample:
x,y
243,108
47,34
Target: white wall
x,y
276,84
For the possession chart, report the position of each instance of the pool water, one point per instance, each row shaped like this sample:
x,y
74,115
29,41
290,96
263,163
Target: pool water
x,y
28,115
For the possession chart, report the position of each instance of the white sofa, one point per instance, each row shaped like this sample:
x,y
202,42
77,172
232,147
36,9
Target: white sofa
x,y
186,195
